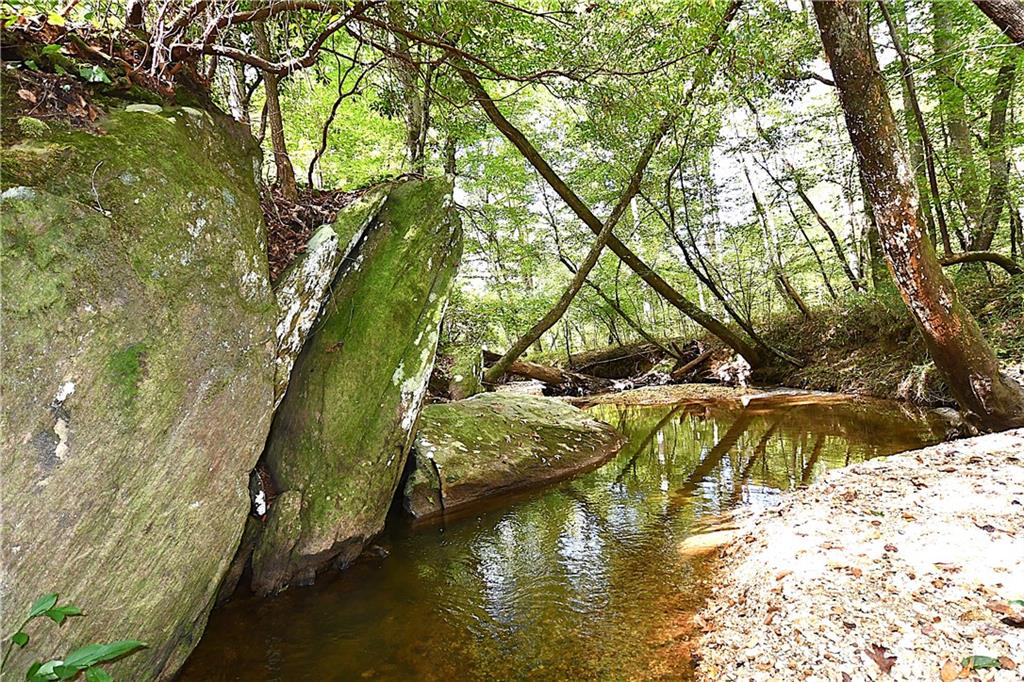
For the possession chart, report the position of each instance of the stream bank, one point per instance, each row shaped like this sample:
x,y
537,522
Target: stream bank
x,y
889,569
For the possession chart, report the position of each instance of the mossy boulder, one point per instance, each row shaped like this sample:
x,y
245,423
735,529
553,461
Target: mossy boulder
x,y
341,435
137,376
302,288
496,443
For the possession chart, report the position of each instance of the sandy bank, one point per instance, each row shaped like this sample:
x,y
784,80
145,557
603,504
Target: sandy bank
x,y
908,565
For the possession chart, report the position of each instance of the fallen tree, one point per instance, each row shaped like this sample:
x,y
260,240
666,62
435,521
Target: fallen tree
x,y
558,381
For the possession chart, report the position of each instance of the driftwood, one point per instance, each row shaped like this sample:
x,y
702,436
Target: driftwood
x,y
558,381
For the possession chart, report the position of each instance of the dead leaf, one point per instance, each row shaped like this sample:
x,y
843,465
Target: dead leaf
x,y
27,95
950,671
879,654
1007,663
782,574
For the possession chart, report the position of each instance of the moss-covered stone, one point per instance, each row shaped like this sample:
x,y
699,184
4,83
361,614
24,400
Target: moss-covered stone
x,y
137,375
495,443
302,288
466,372
341,435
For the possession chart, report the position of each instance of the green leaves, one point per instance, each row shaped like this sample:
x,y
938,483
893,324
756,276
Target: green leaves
x,y
83,659
42,605
60,613
97,675
93,73
981,662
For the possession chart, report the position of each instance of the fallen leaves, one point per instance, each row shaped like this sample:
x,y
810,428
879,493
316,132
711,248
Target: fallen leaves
x,y
950,671
880,655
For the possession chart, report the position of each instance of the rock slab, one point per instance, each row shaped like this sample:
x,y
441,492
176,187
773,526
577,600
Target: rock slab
x,y
341,435
137,376
494,443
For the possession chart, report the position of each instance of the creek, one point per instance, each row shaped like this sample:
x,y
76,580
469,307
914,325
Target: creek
x,y
582,580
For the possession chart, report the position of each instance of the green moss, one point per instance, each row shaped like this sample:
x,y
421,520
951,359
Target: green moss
x,y
32,127
125,368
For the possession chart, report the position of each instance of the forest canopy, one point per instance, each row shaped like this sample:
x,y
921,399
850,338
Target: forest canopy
x,y
632,171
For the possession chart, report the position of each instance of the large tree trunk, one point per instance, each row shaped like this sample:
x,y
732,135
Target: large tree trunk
x,y
922,129
951,334
588,263
1008,15
283,164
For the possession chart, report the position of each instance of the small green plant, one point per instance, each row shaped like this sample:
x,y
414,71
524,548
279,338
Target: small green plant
x,y
85,659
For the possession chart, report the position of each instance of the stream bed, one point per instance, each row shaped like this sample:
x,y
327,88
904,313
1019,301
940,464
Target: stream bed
x,y
583,580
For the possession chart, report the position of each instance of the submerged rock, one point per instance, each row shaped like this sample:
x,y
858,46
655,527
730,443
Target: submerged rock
x,y
496,443
342,433
137,376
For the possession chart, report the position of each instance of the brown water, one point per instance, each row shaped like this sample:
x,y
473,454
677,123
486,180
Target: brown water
x,y
580,581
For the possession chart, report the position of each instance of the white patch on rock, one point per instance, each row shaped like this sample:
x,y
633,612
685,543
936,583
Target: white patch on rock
x,y
62,430
63,393
18,192
144,108
300,296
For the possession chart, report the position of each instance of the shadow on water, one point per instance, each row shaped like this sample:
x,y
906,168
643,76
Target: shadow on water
x,y
580,581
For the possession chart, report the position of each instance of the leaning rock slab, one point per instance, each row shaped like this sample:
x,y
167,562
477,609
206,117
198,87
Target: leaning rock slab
x,y
342,433
496,443
137,376
302,288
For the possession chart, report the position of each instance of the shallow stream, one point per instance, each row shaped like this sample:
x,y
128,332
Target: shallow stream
x,y
583,580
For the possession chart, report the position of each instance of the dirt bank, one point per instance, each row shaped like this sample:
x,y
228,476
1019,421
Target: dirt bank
x,y
901,569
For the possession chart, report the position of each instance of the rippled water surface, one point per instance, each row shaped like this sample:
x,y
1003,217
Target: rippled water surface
x,y
580,581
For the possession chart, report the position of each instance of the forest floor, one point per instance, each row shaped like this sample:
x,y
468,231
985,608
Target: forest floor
x,y
904,568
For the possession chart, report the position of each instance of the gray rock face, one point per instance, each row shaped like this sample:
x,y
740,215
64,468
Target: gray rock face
x,y
341,435
495,443
137,376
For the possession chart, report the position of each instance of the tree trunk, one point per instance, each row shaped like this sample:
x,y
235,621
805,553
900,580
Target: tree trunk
x,y
283,164
836,244
922,129
774,254
561,381
993,257
556,312
998,165
951,334
949,59
1008,15
876,261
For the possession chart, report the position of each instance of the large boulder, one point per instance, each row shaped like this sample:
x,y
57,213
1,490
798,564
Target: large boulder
x,y
342,433
137,375
496,443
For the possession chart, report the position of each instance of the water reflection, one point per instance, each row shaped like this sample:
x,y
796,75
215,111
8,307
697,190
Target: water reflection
x,y
581,581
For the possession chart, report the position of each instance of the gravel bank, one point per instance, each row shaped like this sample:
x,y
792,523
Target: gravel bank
x,y
896,569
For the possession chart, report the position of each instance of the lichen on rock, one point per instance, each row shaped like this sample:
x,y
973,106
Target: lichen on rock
x,y
342,432
495,443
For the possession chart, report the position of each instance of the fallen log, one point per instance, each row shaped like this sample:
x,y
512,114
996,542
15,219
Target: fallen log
x,y
558,381
680,373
